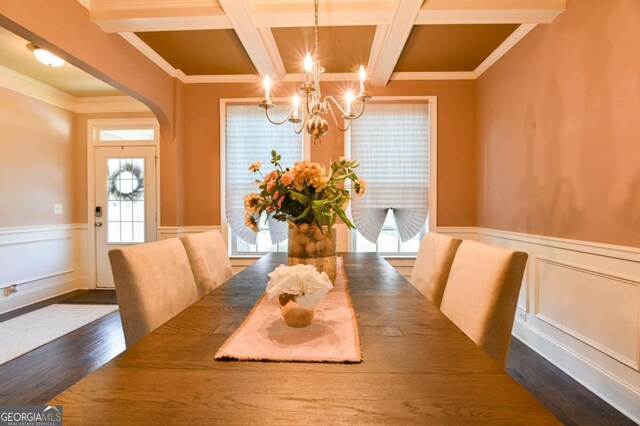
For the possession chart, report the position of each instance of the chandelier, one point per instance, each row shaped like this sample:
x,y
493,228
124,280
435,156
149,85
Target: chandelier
x,y
310,114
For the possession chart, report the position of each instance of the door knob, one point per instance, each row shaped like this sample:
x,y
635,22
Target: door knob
x,y
98,224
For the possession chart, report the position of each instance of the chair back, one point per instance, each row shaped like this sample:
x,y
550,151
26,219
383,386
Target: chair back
x,y
482,293
432,266
208,258
153,284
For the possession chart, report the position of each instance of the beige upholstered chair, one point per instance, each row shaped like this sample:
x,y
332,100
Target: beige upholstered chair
x,y
432,266
153,283
208,259
482,293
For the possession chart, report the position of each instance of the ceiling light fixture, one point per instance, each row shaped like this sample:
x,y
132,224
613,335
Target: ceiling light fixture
x,y
309,116
45,56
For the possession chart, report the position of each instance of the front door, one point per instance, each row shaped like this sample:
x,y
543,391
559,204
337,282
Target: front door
x,y
125,210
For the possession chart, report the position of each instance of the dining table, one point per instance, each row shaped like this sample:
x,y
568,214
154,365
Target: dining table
x,y
417,367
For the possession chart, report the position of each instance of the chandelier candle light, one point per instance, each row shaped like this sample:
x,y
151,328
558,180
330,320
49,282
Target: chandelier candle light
x,y
309,115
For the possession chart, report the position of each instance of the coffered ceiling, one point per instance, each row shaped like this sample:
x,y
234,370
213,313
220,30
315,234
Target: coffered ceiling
x,y
242,40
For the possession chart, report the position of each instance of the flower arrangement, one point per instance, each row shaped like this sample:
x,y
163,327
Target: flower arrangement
x,y
304,194
301,283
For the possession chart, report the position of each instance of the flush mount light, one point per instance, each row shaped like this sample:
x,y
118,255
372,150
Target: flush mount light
x,y
45,56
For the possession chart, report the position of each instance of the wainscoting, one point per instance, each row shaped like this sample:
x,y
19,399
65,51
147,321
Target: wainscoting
x,y
579,307
42,261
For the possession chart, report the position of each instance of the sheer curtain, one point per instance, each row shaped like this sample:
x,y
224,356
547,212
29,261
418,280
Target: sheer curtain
x,y
250,137
391,142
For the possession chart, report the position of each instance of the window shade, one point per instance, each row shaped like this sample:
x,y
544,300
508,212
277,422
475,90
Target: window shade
x,y
250,137
391,142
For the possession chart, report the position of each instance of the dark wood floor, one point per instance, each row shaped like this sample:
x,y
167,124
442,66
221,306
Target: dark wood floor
x,y
38,376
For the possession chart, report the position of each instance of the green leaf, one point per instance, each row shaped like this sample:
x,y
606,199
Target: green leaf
x,y
299,197
303,214
345,219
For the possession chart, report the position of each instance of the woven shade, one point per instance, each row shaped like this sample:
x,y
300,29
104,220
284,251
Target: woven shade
x,y
391,142
250,137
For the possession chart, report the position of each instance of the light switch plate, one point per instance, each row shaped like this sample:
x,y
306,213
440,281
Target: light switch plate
x,y
57,209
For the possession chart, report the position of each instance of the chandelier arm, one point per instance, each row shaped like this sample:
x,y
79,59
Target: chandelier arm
x,y
278,123
336,120
331,98
305,118
361,111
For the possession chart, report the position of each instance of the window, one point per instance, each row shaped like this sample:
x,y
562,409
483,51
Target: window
x,y
112,135
250,137
391,142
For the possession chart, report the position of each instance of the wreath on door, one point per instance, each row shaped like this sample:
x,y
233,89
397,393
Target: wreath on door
x,y
127,183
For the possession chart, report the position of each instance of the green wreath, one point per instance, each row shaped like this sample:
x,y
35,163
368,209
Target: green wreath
x,y
137,187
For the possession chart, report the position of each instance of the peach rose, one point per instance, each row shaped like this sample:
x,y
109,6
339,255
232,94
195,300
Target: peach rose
x,y
287,178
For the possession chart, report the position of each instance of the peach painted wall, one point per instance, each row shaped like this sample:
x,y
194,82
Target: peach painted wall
x,y
63,26
456,144
36,161
559,128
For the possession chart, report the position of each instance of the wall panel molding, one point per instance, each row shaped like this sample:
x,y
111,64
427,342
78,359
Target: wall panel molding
x,y
42,261
580,309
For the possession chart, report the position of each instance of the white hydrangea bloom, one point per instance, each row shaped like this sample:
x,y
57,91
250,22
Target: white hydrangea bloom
x,y
303,281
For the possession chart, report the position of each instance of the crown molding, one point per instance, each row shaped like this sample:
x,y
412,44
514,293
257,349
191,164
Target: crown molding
x,y
35,89
230,78
447,75
20,83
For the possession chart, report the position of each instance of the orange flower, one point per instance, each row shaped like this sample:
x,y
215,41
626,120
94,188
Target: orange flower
x,y
360,187
287,178
255,166
251,222
270,185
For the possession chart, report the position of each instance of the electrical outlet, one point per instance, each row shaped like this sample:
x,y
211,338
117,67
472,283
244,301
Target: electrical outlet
x,y
57,209
8,291
522,315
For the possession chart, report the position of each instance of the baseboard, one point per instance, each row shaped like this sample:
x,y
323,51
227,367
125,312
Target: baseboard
x,y
44,292
622,397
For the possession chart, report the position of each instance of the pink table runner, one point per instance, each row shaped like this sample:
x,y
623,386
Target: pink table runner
x,y
331,337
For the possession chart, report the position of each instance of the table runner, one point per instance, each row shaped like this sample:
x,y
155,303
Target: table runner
x,y
332,336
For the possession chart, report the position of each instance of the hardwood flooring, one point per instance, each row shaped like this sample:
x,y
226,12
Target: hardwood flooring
x,y
43,373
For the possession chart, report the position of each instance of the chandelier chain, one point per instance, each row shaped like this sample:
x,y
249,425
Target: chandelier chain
x,y
316,15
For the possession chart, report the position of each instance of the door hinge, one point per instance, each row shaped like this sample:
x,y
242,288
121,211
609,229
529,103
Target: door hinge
x,y
156,161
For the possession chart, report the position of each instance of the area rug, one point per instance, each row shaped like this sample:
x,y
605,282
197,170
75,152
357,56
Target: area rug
x,y
27,332
331,337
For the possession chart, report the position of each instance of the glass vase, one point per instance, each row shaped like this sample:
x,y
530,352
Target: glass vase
x,y
294,314
311,245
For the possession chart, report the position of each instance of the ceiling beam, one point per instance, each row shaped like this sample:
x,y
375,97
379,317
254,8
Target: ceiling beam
x,y
387,49
170,23
153,15
260,45
441,12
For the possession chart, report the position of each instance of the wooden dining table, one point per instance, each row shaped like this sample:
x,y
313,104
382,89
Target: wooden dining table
x,y
418,367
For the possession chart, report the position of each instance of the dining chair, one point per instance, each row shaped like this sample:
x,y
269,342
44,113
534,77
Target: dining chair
x,y
208,258
433,264
153,283
482,293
